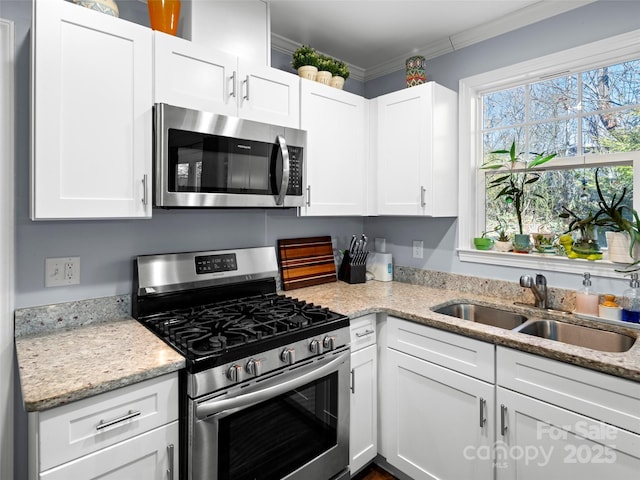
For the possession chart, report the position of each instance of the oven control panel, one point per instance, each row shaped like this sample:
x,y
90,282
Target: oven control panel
x,y
225,262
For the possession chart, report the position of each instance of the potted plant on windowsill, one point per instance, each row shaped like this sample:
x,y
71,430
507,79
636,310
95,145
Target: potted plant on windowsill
x,y
514,185
483,242
305,62
587,245
503,242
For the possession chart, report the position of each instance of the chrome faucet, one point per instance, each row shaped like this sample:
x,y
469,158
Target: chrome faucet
x,y
539,289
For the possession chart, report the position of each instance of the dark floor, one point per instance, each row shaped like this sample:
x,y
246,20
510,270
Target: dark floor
x,y
374,472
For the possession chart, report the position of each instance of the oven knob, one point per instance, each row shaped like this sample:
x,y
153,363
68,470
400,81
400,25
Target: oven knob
x,y
329,343
315,347
289,356
254,367
233,373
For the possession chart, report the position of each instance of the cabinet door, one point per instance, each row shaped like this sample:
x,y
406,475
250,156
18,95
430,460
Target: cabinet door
x,y
150,456
193,76
363,431
336,124
417,151
91,114
438,424
268,95
537,440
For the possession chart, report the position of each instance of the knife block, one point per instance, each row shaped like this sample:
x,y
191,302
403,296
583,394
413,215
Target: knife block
x,y
351,272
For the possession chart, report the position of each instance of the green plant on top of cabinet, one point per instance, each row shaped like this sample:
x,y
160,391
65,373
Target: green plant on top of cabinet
x,y
336,153
201,78
417,151
91,114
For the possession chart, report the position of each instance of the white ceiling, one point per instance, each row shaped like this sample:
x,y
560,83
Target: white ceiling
x,y
376,36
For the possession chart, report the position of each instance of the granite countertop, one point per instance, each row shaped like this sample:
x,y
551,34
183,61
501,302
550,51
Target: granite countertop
x,y
66,365
415,302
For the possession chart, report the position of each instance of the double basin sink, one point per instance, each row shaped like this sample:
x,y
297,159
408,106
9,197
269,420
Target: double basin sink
x,y
596,339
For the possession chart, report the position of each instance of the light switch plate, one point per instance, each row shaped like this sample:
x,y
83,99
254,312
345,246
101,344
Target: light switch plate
x,y
61,271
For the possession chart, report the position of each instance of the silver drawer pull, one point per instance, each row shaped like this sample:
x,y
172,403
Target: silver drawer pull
x,y
365,333
107,423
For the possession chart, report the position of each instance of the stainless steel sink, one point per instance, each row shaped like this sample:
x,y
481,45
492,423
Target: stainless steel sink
x,y
483,314
578,335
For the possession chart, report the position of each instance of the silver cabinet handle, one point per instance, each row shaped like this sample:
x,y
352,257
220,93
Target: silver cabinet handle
x,y
365,333
108,423
353,380
246,88
503,420
145,197
422,194
233,84
483,408
284,184
170,458
308,195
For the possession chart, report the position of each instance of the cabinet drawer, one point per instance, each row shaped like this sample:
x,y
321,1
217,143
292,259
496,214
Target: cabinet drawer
x,y
462,354
79,428
363,332
610,399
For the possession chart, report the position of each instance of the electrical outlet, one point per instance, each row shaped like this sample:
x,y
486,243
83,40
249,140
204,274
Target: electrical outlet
x,y
61,271
417,249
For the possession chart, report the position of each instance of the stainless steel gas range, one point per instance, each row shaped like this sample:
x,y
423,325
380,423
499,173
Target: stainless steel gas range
x,y
265,393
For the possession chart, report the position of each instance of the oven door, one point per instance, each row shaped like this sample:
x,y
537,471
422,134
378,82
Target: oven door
x,y
294,425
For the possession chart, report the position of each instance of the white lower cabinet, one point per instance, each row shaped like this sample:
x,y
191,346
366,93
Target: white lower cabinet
x,y
150,456
436,423
131,432
363,429
560,421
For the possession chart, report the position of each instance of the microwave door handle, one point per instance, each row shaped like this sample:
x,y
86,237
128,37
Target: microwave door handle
x,y
211,407
284,184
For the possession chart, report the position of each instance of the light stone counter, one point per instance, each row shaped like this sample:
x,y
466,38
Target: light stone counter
x,y
61,366
415,302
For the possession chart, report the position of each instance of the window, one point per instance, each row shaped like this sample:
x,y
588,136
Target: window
x,y
588,114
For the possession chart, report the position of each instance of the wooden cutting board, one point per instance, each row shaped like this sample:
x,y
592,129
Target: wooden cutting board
x,y
306,261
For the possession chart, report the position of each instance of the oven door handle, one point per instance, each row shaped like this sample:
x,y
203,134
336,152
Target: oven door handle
x,y
314,372
284,184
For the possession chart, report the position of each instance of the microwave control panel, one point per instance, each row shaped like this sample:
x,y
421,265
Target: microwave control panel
x,y
295,171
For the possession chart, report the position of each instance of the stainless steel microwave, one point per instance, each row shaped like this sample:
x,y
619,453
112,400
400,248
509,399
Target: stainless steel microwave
x,y
203,159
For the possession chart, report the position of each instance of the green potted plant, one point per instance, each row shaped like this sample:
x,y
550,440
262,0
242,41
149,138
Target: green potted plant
x,y
325,69
514,185
305,62
340,74
623,224
483,242
587,245
503,242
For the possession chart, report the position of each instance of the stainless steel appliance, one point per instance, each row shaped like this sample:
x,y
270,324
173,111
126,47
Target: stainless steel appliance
x,y
206,160
266,386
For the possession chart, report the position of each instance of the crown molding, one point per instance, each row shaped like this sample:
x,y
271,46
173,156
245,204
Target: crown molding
x,y
518,19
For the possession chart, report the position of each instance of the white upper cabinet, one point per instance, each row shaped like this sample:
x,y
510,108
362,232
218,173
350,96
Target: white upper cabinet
x,y
417,152
337,137
201,78
91,114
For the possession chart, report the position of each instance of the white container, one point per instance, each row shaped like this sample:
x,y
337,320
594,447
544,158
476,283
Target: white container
x,y
381,266
610,313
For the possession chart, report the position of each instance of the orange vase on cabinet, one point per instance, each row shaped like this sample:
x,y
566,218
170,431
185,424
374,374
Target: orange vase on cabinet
x,y
164,15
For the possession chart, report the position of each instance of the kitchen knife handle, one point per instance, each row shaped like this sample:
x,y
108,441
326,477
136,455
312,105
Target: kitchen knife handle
x,y
422,194
233,84
284,184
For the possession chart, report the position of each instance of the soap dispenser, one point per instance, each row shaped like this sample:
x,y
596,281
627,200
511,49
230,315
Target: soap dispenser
x,y
587,299
631,301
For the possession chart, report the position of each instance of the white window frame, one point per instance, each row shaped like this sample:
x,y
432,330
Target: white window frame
x,y
610,51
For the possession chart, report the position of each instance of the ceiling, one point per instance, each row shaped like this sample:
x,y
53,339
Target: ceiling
x,y
375,37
